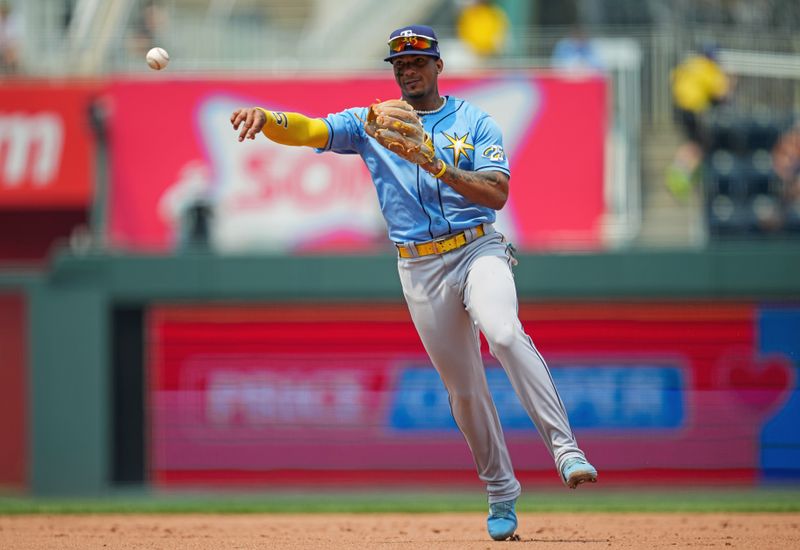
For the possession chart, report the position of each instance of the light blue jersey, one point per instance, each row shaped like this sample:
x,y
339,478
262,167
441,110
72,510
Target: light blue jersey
x,y
417,206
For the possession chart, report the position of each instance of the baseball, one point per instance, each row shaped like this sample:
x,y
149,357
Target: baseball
x,y
157,58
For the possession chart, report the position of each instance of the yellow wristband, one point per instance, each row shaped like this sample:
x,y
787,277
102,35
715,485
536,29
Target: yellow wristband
x,y
442,171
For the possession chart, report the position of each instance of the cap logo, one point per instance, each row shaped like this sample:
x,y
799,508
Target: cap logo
x,y
407,33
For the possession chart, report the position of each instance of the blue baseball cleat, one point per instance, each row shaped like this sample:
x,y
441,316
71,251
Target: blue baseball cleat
x,y
576,471
502,520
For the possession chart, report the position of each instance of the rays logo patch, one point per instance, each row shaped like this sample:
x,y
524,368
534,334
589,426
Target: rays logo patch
x,y
459,146
495,153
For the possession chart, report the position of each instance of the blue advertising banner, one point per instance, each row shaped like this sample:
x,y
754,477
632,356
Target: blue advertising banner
x,y
598,396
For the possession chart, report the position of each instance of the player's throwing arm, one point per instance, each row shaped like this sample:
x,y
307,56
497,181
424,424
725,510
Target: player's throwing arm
x,y
280,127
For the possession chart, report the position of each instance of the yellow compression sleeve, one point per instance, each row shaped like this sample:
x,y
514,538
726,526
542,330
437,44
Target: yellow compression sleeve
x,y
295,129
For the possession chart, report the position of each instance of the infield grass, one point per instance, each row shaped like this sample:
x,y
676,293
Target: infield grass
x,y
588,499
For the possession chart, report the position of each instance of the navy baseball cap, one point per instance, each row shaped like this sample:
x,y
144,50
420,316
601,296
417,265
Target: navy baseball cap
x,y
710,50
413,40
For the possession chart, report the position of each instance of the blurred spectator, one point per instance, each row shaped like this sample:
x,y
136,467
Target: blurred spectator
x,y
10,39
786,154
786,163
147,29
186,206
699,84
483,26
67,13
577,52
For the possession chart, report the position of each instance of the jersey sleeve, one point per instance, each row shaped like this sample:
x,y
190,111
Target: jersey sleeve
x,y
346,131
489,152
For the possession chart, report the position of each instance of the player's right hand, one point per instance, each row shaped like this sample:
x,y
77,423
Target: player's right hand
x,y
251,119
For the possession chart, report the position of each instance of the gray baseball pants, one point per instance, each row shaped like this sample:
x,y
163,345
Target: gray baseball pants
x,y
451,297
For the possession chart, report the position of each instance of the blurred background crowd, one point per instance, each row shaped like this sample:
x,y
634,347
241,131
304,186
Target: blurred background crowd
x,y
702,105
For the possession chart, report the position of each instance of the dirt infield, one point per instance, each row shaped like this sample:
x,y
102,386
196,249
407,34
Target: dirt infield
x,y
407,531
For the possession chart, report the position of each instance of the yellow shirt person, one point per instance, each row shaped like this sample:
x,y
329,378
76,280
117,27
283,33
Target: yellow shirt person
x,y
483,26
697,83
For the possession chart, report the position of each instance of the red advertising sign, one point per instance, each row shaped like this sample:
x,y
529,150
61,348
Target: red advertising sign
x,y
273,393
273,197
46,145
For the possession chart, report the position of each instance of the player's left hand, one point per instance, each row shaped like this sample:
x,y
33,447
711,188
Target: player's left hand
x,y
252,120
396,126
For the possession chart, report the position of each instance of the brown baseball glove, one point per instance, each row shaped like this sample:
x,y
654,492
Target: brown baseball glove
x,y
396,126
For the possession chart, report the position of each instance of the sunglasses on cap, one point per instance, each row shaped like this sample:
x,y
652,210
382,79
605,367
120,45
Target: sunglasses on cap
x,y
413,42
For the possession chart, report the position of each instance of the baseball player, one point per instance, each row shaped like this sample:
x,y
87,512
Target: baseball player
x,y
441,174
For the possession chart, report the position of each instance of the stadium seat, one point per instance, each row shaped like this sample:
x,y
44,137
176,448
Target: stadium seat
x,y
721,133
761,132
759,176
742,190
724,175
728,216
764,214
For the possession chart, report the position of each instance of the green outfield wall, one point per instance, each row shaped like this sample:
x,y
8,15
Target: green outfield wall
x,y
71,312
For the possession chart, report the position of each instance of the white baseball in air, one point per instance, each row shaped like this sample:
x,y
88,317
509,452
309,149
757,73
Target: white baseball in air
x,y
157,58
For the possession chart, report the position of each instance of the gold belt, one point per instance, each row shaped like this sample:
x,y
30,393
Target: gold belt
x,y
439,246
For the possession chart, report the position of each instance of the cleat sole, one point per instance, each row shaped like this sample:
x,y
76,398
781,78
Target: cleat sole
x,y
581,477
